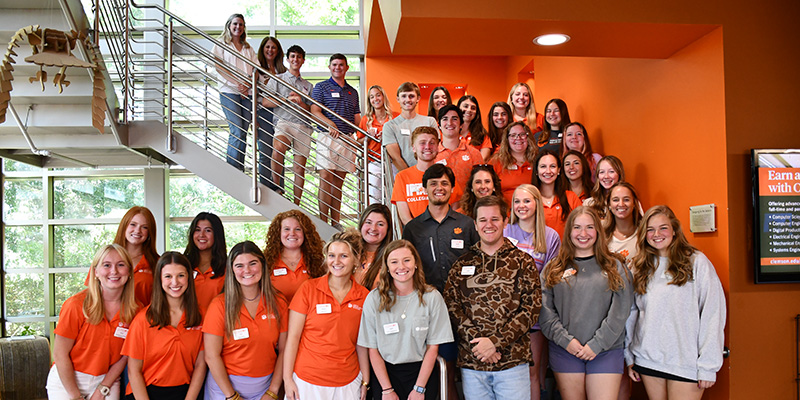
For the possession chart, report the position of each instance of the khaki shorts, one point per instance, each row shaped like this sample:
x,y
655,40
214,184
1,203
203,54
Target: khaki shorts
x,y
334,155
299,136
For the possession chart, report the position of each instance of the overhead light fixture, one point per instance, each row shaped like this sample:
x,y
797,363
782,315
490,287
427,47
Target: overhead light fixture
x,y
552,39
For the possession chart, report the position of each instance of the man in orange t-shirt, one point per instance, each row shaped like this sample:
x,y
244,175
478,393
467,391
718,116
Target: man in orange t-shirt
x,y
455,150
408,194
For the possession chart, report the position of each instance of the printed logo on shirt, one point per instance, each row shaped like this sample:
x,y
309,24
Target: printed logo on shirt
x,y
457,231
355,306
194,328
465,157
415,189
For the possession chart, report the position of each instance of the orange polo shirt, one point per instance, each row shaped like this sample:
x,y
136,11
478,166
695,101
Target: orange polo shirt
x,y
326,355
511,178
287,281
168,354
143,282
96,347
552,214
460,161
207,288
486,144
373,146
250,351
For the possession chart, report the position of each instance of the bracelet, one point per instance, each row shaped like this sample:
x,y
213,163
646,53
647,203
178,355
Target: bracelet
x,y
234,396
364,383
272,395
387,391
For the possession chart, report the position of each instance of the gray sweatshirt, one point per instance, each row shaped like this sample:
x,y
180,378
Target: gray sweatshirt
x,y
582,307
679,329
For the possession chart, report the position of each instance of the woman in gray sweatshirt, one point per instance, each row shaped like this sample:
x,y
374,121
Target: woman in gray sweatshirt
x,y
586,299
675,331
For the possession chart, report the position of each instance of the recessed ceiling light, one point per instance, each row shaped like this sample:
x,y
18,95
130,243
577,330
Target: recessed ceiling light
x,y
551,39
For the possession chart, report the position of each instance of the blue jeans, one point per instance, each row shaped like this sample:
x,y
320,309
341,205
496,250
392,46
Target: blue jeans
x,y
509,384
237,112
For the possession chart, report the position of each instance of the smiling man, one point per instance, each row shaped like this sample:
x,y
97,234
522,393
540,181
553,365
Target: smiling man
x,y
493,295
408,193
397,132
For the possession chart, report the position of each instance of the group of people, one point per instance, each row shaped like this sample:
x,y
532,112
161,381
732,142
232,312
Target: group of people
x,y
522,250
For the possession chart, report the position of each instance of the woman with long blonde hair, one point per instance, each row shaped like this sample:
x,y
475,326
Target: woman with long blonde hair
x,y
377,113
587,297
523,108
404,359
675,332
92,327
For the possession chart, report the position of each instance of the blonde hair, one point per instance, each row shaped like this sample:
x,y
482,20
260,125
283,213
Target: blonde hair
x,y
93,308
226,37
539,242
530,111
370,109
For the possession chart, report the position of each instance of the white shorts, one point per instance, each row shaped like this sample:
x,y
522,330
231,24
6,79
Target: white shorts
x,y
351,391
334,154
299,136
87,384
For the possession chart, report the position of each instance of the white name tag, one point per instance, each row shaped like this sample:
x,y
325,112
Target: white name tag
x,y
468,270
389,329
457,243
334,94
239,334
513,241
324,308
279,272
405,132
121,332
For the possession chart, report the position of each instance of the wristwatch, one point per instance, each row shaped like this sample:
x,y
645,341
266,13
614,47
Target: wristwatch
x,y
104,390
419,389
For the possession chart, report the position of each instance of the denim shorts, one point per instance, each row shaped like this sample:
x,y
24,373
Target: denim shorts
x,y
607,362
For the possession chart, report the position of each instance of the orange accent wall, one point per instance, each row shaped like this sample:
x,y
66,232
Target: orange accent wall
x,y
660,117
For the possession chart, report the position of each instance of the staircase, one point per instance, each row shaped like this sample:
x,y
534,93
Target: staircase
x,y
162,100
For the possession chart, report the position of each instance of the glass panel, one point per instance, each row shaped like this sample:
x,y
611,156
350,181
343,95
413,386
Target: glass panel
x,y
320,64
189,195
23,247
24,294
317,12
11,165
235,232
25,328
215,13
67,284
96,197
75,245
22,199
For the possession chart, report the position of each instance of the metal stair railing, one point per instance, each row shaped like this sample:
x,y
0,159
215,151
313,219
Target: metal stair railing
x,y
167,75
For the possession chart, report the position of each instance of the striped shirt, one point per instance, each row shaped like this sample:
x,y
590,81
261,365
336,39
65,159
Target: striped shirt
x,y
341,100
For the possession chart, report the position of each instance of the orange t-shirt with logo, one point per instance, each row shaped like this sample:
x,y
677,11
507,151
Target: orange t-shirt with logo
x,y
408,188
460,161
326,355
168,354
250,350
287,281
96,347
206,288
511,178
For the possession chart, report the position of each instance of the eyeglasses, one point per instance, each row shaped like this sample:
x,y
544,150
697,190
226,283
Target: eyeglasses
x,y
517,135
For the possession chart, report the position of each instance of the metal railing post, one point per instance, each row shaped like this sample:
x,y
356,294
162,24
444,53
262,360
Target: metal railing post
x,y
442,378
365,200
255,192
170,133
127,46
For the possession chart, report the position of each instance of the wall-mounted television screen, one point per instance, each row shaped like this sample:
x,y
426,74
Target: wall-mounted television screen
x,y
776,206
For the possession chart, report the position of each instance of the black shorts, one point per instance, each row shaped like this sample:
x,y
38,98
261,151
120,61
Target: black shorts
x,y
658,374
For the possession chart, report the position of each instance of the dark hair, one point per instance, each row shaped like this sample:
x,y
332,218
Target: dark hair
x,y
233,290
635,207
431,110
490,201
558,186
587,145
468,199
158,313
586,176
496,135
373,270
337,56
296,49
476,129
277,63
437,171
562,108
446,109
219,251
386,284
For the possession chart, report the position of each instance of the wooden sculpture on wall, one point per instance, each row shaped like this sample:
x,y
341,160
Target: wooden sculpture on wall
x,y
53,48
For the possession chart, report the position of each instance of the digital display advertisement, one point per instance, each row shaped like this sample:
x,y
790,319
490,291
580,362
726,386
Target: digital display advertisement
x,y
776,198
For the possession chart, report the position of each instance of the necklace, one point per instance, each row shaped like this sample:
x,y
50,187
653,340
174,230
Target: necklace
x,y
291,263
403,315
254,298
